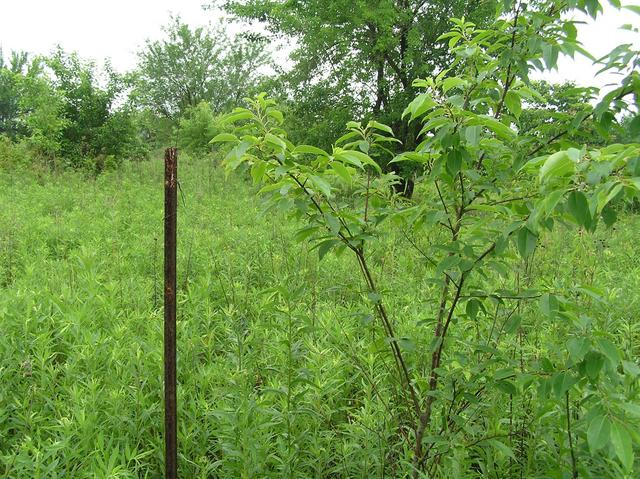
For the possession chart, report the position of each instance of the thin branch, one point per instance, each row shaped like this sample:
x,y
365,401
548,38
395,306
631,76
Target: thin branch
x,y
508,78
396,68
574,468
444,205
430,260
382,312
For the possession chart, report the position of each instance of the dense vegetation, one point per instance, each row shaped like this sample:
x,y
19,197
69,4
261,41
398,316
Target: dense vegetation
x,y
447,290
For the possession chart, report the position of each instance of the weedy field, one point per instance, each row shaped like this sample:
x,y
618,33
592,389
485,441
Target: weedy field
x,y
282,371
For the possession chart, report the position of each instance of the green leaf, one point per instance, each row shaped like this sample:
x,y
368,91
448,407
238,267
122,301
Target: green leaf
x,y
434,124
472,135
634,125
577,348
452,82
513,324
500,446
621,441
274,141
237,155
325,246
526,242
633,8
615,190
277,115
557,165
633,409
563,382
598,433
454,162
381,127
341,171
257,171
579,208
364,146
472,308
347,136
308,150
609,215
514,103
224,138
306,232
593,7
237,116
593,362
549,305
507,387
609,350
448,263
504,373
375,298
453,41
356,158
550,55
322,184
420,104
500,129
632,369
571,30
551,201
407,345
333,223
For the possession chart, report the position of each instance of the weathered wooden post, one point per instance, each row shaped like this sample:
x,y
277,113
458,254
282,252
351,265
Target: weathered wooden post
x,y
170,241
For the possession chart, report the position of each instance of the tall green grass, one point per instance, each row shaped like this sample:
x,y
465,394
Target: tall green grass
x,y
282,371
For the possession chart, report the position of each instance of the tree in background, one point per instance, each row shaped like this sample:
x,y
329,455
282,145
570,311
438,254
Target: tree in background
x,y
10,73
558,109
41,110
358,55
98,122
562,112
194,65
61,108
31,109
629,131
196,127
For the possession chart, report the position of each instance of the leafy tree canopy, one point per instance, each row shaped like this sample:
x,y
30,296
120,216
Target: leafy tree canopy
x,y
193,65
494,185
366,51
10,72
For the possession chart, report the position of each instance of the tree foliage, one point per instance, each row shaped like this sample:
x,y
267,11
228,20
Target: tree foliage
x,y
64,108
196,127
194,65
10,74
493,188
94,122
360,53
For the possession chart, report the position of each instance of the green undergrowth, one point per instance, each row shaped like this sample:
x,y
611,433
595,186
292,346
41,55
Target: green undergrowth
x,y
283,371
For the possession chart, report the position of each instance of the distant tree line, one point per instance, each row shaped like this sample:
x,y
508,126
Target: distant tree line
x,y
352,60
63,111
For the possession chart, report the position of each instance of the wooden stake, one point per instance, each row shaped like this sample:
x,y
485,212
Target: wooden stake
x,y
170,241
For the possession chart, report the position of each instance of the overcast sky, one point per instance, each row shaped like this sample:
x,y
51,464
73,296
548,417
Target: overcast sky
x,y
95,29
118,28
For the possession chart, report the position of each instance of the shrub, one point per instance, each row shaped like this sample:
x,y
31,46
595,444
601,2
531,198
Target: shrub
x,y
196,128
12,154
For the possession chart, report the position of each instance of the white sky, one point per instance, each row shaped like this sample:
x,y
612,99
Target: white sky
x,y
95,29
118,28
598,37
